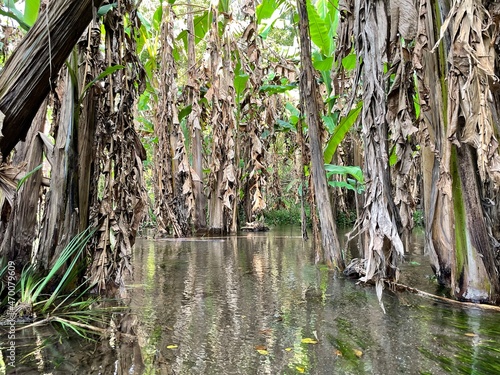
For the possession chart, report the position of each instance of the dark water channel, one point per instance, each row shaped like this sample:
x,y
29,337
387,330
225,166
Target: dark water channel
x,y
256,304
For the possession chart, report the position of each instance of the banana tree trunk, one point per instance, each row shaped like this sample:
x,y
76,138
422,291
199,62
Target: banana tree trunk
x,y
458,234
22,226
26,79
309,93
193,123
61,220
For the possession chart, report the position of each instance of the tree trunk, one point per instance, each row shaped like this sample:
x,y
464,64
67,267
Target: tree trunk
x,y
380,219
23,224
26,79
174,189
193,123
61,220
223,180
460,246
309,92
118,194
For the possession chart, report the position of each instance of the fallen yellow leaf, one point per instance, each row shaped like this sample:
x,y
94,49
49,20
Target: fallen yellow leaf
x,y
300,369
263,351
288,349
338,352
172,346
308,340
358,353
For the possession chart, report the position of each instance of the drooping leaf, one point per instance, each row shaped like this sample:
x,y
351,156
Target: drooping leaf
x,y
185,112
107,72
240,83
319,32
354,171
277,89
329,123
349,62
157,17
105,9
341,130
285,125
202,25
323,65
28,175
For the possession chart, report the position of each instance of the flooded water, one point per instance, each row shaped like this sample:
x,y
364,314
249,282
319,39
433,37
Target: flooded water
x,y
256,304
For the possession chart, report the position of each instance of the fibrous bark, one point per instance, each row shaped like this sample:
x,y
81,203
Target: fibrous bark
x,y
26,79
308,92
380,219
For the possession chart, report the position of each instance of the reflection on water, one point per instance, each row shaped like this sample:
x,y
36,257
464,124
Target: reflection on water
x,y
255,304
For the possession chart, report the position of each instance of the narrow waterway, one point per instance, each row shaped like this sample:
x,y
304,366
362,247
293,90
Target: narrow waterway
x,y
256,304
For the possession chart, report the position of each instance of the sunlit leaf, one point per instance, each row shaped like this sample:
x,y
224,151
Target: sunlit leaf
x,y
349,62
354,171
288,349
31,11
266,9
173,346
240,83
323,65
319,32
341,130
157,17
300,369
393,158
308,340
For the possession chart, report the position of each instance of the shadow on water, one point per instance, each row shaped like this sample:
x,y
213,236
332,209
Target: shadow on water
x,y
255,304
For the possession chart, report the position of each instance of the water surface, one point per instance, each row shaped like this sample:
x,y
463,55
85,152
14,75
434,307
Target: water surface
x,y
256,304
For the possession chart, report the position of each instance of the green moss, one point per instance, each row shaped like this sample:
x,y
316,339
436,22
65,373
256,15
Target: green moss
x,y
459,216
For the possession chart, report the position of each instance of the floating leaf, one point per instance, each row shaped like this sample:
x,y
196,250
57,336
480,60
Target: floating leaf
x,y
358,353
173,346
308,340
